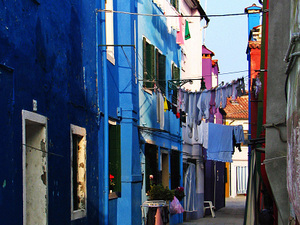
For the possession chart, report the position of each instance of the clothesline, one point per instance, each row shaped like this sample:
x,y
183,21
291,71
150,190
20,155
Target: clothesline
x,y
163,15
193,107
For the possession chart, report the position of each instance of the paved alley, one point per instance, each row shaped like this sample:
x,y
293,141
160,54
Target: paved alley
x,y
232,214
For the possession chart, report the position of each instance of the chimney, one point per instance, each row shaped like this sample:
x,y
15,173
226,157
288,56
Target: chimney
x,y
253,16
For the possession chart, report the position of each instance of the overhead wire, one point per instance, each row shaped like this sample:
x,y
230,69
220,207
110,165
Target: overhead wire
x,y
163,15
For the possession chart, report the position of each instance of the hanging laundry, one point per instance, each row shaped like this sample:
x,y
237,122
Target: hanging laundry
x,y
220,143
179,35
160,109
203,105
239,134
165,104
241,87
218,98
179,100
169,105
212,105
242,84
190,119
234,91
185,102
187,30
224,96
257,87
229,91
195,115
162,118
238,137
174,109
158,106
203,134
158,217
195,108
182,116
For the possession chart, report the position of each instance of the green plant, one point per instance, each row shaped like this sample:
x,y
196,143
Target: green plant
x,y
158,192
179,193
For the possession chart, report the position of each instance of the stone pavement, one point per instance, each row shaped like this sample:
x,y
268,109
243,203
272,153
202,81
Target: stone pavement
x,y
231,214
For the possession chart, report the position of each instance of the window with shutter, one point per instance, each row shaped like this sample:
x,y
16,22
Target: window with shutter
x,y
115,158
175,4
148,64
161,71
175,76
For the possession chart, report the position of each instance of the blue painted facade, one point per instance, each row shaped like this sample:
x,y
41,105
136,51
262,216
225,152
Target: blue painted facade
x,y
49,53
167,139
128,205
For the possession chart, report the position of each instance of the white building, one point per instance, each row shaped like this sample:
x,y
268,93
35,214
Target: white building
x,y
237,114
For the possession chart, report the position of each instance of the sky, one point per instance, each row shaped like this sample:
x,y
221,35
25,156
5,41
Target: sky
x,y
227,36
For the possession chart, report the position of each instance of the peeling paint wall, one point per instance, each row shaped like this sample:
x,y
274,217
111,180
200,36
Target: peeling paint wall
x,y
36,175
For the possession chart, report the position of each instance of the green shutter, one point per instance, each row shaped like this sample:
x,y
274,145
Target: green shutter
x,y
161,71
175,4
175,76
115,155
148,64
151,65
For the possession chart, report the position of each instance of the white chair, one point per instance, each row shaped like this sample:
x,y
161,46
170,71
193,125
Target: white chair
x,y
210,206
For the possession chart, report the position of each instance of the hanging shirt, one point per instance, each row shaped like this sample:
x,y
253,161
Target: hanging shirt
x,y
218,98
185,101
238,134
224,96
203,105
234,90
162,118
203,134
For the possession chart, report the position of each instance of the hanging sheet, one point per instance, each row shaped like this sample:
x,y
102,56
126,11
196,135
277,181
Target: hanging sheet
x,y
220,142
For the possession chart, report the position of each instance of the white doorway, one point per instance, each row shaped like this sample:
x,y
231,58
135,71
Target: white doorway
x,y
35,169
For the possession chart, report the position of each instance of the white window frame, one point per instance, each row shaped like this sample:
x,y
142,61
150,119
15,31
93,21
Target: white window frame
x,y
76,214
109,30
39,119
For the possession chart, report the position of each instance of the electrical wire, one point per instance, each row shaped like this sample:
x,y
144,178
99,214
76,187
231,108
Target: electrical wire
x,y
162,15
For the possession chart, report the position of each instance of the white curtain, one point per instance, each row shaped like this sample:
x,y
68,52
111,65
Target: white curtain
x,y
242,178
189,202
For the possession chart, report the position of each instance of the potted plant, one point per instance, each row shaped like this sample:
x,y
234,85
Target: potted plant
x,y
111,183
158,192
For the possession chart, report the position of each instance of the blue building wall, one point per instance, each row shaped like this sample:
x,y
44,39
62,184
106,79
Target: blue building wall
x,y
123,108
49,53
156,31
51,48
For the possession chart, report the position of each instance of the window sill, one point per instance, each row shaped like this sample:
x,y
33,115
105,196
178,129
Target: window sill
x,y
114,195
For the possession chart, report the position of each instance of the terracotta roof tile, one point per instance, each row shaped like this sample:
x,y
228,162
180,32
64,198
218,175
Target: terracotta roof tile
x,y
254,44
237,109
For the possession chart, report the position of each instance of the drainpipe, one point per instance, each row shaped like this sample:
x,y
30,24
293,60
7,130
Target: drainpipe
x,y
106,146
